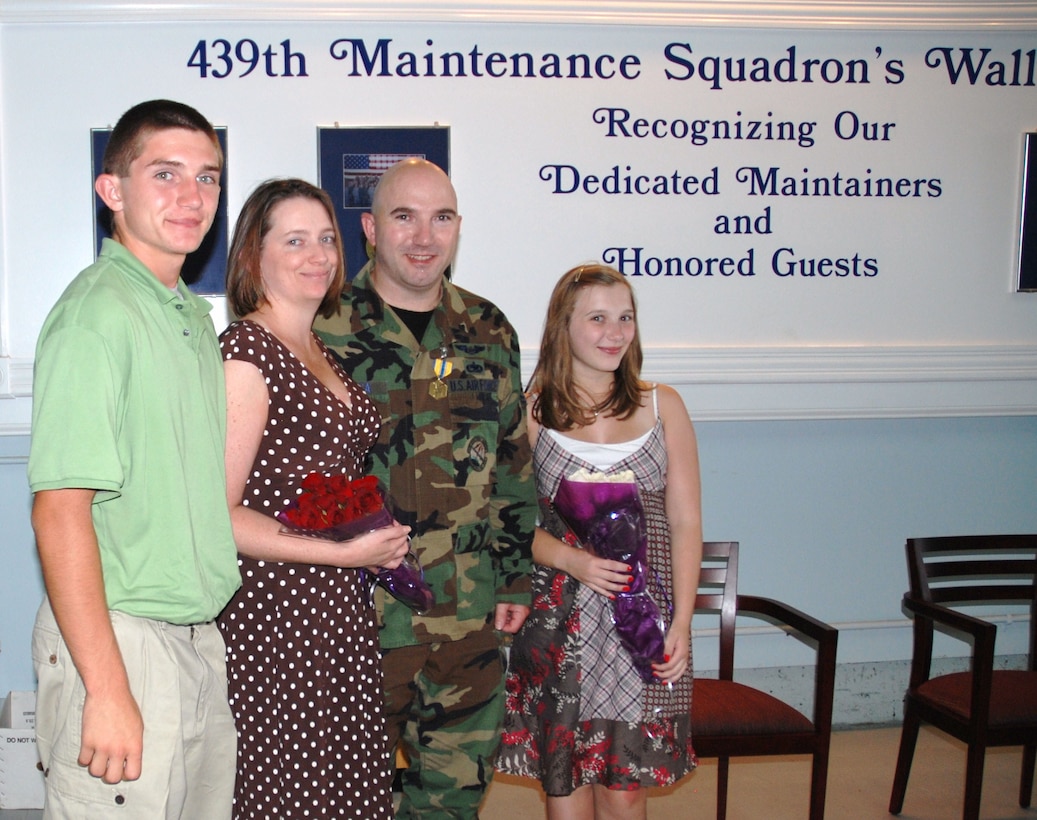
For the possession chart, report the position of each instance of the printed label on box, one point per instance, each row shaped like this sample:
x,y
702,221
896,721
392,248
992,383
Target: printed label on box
x,y
19,711
21,781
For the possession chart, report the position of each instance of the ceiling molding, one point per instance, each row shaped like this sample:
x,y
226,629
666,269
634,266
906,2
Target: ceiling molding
x,y
1010,15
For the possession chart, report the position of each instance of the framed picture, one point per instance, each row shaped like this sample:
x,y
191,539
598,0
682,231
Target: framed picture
x,y
204,270
352,160
1028,219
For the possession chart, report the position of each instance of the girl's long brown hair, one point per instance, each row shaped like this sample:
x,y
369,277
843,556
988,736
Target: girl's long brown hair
x,y
556,402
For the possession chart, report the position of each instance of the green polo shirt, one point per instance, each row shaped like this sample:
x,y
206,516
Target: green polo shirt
x,y
129,401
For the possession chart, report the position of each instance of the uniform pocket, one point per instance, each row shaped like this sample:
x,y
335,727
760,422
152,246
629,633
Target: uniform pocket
x,y
474,421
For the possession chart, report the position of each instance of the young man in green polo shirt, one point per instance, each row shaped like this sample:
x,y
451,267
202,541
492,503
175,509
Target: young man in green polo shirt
x,y
129,505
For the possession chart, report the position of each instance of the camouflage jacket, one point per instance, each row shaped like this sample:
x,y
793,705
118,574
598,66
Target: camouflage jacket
x,y
458,466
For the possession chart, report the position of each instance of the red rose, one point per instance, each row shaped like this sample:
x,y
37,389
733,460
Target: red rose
x,y
338,484
330,502
314,481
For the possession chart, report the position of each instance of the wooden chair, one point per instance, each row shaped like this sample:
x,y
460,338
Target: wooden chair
x,y
730,719
983,706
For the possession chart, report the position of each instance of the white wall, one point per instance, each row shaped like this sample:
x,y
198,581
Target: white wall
x,y
837,415
937,330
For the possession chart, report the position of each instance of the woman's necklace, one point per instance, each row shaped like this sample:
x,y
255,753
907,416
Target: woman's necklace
x,y
597,406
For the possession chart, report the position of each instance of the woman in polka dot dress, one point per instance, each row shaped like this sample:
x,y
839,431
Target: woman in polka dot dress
x,y
304,673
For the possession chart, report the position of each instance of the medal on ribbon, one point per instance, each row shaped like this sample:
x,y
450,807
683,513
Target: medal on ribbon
x,y
442,368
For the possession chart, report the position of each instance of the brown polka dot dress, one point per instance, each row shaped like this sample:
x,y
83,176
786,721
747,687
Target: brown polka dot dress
x,y
303,666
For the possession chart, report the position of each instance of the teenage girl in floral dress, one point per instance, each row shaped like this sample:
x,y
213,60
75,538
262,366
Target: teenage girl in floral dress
x,y
579,717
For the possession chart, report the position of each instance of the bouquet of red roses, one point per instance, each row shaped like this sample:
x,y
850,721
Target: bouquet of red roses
x,y
604,512
335,508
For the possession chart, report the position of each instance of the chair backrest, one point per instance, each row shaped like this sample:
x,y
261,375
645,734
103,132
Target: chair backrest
x,y
971,570
718,592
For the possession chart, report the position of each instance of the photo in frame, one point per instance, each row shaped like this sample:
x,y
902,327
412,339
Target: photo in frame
x,y
205,270
1028,218
353,159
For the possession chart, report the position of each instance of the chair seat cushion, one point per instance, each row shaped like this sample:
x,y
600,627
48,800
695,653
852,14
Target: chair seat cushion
x,y
1013,698
720,707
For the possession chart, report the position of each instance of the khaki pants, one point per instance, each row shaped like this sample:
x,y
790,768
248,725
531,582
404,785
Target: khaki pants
x,y
178,676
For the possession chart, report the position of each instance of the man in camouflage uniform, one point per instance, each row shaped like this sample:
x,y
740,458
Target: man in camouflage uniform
x,y
442,365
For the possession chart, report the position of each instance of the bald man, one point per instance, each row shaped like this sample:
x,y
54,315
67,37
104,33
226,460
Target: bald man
x,y
442,365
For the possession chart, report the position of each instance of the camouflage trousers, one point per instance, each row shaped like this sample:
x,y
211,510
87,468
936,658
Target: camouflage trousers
x,y
444,704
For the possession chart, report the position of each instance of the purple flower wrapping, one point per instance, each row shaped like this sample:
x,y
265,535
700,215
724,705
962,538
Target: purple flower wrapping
x,y
608,519
406,583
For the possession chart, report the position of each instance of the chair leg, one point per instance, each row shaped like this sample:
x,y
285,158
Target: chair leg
x,y
908,739
818,784
1026,782
975,759
723,766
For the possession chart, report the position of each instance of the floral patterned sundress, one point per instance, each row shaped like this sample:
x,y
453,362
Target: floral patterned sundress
x,y
578,713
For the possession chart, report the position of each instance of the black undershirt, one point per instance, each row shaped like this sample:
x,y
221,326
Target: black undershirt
x,y
415,320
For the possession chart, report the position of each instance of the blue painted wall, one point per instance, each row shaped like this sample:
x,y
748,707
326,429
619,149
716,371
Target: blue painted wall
x,y
821,508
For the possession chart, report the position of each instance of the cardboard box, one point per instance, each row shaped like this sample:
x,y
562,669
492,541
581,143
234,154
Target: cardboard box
x,y
21,781
19,711
21,778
